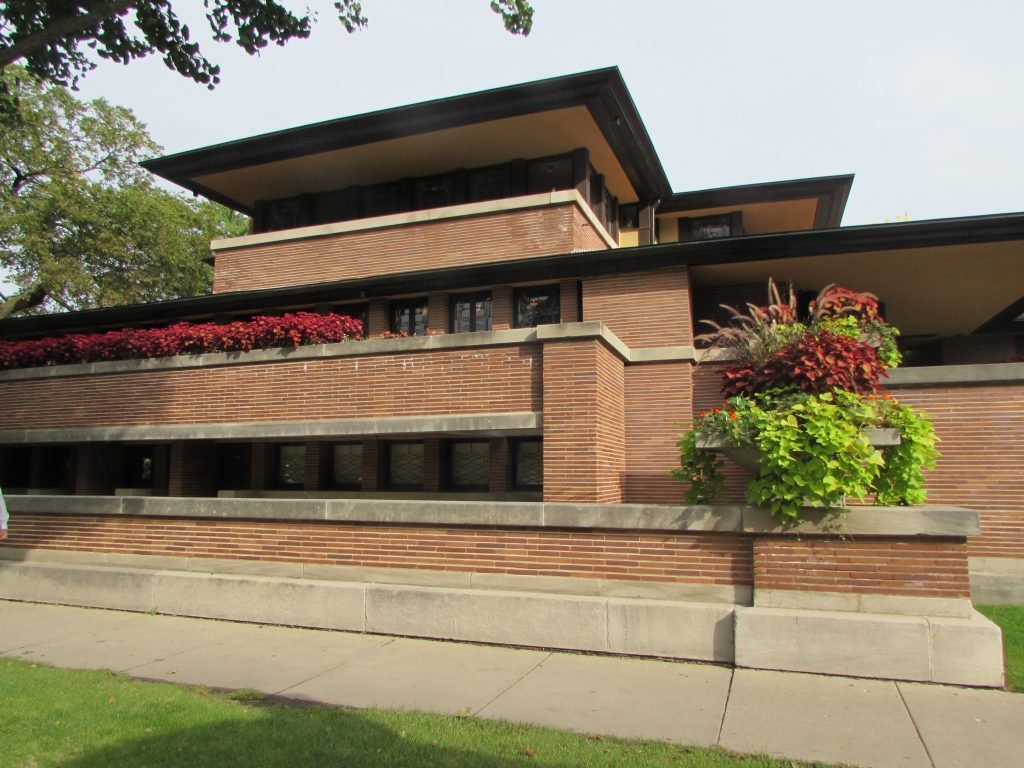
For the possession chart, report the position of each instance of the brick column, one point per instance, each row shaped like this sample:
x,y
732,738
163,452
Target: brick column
x,y
192,469
433,465
377,321
584,433
569,296
98,469
500,469
502,311
318,466
372,479
438,312
263,464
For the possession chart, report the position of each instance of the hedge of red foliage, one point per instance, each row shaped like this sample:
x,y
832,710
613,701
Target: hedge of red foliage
x,y
815,362
290,330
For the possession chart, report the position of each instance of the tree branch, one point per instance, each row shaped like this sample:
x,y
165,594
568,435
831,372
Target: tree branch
x,y
22,301
66,27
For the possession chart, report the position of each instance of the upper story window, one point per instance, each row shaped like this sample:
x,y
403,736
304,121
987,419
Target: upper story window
x,y
409,317
470,466
471,312
711,227
405,465
549,173
291,466
537,305
347,465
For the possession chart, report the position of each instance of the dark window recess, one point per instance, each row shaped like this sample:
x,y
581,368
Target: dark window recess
x,y
139,461
382,199
55,471
528,464
629,216
291,466
16,467
234,466
537,305
409,317
347,466
711,227
470,466
405,465
549,174
471,312
490,183
433,192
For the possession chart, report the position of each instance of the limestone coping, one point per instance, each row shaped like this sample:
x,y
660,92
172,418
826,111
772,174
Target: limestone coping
x,y
866,521
590,329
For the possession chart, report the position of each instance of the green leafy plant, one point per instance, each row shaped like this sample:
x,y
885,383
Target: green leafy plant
x,y
802,393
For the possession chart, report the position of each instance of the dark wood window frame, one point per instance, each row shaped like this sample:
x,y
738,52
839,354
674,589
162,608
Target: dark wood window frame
x,y
279,482
514,446
421,304
470,297
689,226
554,291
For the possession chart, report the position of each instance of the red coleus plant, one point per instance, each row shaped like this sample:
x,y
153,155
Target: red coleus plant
x,y
289,330
815,363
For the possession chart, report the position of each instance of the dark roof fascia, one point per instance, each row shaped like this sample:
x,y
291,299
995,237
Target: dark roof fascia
x,y
845,240
603,91
832,190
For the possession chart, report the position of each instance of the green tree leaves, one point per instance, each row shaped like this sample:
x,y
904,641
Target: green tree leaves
x,y
80,220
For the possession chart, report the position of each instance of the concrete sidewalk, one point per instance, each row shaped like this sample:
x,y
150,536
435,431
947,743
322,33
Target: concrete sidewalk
x,y
805,717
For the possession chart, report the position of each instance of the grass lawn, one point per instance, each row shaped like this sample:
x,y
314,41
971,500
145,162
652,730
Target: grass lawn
x,y
83,719
1011,619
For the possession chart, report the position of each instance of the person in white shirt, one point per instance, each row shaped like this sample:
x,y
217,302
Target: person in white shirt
x,y
3,516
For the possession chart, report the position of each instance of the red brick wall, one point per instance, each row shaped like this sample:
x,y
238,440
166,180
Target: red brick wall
x,y
921,568
981,465
412,247
478,380
584,440
658,402
644,309
192,469
679,558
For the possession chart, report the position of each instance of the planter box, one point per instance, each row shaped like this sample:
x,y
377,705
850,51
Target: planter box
x,y
749,458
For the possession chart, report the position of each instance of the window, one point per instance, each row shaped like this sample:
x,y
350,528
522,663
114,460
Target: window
x,y
383,199
16,467
433,192
471,312
490,183
405,465
55,471
138,466
291,466
549,174
537,305
409,317
711,227
234,464
347,466
528,464
470,466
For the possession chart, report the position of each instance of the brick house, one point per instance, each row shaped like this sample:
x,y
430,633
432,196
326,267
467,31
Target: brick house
x,y
530,288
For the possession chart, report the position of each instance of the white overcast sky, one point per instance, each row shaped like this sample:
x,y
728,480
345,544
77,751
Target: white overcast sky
x,y
921,99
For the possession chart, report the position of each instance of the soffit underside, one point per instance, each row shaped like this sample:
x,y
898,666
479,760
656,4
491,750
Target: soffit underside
x,y
469,146
936,291
761,218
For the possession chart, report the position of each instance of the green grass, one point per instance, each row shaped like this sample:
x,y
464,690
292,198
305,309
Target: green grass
x,y
83,719
1011,619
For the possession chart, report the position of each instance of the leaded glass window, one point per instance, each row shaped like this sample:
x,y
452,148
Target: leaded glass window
x,y
405,465
471,313
537,305
348,464
470,465
529,464
291,465
409,317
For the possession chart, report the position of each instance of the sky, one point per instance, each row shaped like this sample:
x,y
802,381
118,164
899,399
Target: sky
x,y
920,100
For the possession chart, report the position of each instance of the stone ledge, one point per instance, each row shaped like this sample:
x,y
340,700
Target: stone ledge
x,y
867,521
904,605
696,592
937,375
957,651
671,629
518,423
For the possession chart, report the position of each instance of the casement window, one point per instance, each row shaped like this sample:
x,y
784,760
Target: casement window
x,y
291,466
471,312
528,464
548,174
347,465
537,305
138,466
405,466
409,316
469,466
234,466
711,227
